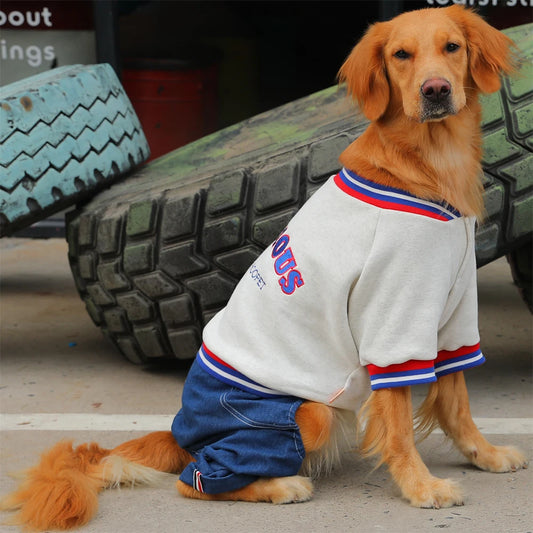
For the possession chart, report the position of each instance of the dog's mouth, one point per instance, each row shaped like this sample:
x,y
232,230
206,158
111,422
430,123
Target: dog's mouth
x,y
436,112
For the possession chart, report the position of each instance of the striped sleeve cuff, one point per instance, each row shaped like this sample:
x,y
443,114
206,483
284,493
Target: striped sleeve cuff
x,y
461,359
417,372
408,373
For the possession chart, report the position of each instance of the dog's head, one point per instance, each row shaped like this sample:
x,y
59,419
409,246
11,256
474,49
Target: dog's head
x,y
424,63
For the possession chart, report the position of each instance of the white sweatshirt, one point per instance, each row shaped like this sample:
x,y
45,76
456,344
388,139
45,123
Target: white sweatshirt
x,y
365,281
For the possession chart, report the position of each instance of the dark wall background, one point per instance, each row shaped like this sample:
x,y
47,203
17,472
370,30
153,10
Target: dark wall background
x,y
269,52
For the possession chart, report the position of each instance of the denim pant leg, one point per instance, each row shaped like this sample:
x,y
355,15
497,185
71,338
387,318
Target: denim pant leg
x,y
235,436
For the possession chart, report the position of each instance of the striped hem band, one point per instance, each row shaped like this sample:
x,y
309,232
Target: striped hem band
x,y
226,373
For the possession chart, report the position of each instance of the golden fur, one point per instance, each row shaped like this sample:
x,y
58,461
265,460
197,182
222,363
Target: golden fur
x,y
432,159
430,148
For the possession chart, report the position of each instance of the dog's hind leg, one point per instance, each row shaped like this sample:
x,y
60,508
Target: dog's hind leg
x,y
291,489
389,432
447,405
315,421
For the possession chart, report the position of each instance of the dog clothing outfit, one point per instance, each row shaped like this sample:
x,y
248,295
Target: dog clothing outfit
x,y
368,287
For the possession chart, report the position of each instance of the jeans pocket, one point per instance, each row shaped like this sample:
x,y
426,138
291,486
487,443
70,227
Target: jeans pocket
x,y
261,413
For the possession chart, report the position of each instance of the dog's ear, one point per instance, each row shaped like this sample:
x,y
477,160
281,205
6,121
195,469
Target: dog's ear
x,y
490,52
364,72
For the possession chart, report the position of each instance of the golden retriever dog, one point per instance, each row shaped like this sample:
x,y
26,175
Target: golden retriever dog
x,y
417,78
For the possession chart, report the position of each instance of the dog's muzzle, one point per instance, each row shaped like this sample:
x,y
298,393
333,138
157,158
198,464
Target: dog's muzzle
x,y
436,102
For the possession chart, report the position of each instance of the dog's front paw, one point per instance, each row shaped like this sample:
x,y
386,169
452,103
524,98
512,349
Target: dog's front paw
x,y
499,459
293,489
435,493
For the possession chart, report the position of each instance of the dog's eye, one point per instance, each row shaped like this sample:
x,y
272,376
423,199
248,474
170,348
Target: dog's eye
x,y
402,54
452,47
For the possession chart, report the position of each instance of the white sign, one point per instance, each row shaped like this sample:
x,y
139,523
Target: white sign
x,y
25,52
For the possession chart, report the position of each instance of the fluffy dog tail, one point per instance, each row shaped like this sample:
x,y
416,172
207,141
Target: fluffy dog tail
x,y
61,492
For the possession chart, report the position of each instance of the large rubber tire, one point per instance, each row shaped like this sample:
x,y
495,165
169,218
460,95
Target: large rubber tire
x,y
156,256
521,261
64,135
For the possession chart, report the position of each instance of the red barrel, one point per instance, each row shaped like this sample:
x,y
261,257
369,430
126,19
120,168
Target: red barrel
x,y
175,101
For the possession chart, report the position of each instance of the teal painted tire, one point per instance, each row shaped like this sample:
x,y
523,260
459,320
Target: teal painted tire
x,y
64,135
156,256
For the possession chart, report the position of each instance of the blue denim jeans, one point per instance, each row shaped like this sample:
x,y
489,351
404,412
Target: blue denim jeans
x,y
235,436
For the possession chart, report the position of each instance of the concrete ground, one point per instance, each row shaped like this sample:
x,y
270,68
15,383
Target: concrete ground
x,y
61,379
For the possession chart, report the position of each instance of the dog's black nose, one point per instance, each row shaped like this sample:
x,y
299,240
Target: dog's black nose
x,y
436,89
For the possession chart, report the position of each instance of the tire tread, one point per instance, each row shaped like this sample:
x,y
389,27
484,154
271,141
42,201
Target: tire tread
x,y
155,261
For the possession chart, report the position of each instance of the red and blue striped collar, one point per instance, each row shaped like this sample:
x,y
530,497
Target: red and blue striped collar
x,y
391,198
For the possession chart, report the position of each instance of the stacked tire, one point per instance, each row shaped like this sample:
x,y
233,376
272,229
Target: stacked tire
x,y
155,256
65,134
